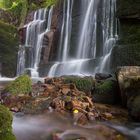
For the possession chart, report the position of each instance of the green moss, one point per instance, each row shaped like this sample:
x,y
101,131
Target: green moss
x,y
5,120
21,85
83,84
7,136
8,49
106,92
6,124
105,87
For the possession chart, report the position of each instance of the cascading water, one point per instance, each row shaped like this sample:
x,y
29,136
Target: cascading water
x,y
35,31
96,38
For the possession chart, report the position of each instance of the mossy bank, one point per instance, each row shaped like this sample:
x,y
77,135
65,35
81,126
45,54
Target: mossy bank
x,y
6,124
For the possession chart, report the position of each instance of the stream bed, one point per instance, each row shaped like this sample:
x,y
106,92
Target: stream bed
x,y
41,127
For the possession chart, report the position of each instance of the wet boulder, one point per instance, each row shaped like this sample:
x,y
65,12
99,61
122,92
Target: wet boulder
x,y
129,82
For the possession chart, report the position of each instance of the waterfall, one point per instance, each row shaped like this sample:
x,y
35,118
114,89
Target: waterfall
x,y
96,37
109,35
66,30
35,31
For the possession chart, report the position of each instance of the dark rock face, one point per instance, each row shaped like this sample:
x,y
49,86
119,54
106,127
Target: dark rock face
x,y
55,30
125,53
47,44
128,9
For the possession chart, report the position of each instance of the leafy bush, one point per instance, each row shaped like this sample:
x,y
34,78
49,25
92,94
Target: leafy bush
x,y
21,85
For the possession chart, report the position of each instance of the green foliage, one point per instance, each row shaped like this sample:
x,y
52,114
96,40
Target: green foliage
x,y
8,48
19,10
21,85
50,2
5,120
83,84
7,136
5,4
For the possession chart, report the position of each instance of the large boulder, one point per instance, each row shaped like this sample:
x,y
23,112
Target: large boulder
x,y
129,83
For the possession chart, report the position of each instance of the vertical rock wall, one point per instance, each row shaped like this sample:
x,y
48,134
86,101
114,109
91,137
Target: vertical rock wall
x,y
127,50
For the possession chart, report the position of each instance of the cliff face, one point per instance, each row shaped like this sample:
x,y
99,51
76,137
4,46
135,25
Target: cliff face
x,y
126,51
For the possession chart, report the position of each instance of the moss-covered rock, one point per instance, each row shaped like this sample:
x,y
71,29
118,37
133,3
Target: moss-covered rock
x,y
7,136
21,85
85,84
106,91
6,124
8,49
5,120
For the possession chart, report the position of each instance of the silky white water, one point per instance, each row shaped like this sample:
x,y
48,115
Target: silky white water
x,y
35,31
96,37
41,127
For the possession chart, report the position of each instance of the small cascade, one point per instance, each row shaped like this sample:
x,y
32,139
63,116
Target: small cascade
x,y
86,37
35,31
109,35
96,37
